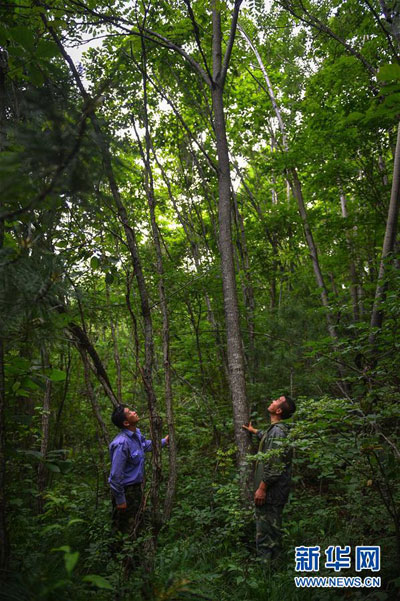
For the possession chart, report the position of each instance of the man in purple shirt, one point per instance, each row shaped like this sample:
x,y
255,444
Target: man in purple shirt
x,y
127,469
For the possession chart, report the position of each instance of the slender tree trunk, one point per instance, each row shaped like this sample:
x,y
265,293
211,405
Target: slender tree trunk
x,y
149,186
103,438
352,267
63,399
189,230
298,194
117,359
248,292
388,246
274,194
295,184
234,340
102,435
93,400
296,187
44,443
129,279
4,542
272,239
80,339
147,369
382,169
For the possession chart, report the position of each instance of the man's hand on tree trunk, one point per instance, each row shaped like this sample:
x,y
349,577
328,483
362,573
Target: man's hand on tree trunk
x,y
260,496
250,428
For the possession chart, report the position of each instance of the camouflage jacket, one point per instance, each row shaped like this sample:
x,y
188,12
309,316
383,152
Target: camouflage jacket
x,y
275,471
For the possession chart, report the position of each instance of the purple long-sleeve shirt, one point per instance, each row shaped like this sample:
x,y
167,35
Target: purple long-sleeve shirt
x,y
127,461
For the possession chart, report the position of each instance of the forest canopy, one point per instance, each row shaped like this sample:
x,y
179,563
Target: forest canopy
x,y
198,214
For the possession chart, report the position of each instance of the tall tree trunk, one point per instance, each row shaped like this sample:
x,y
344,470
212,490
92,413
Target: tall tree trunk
x,y
382,169
190,233
352,267
93,400
388,246
117,359
4,541
296,187
149,186
237,381
44,443
63,399
293,179
247,285
298,194
147,369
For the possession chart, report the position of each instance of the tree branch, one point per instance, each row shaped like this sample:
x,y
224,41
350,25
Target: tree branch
x,y
318,24
232,34
150,35
197,36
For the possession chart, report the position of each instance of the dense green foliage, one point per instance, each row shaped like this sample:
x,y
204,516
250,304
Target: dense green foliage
x,y
66,264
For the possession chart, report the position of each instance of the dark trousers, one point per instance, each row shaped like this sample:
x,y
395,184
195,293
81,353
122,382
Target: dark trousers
x,y
268,530
127,520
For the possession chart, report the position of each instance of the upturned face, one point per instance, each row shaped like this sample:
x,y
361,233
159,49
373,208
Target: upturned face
x,y
131,417
275,405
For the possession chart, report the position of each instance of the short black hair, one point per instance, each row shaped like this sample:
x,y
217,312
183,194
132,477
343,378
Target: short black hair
x,y
118,416
288,407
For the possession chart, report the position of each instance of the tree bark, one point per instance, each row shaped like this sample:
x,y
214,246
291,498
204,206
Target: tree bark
x,y
149,186
298,194
235,357
117,360
93,400
352,267
44,443
388,246
63,399
80,339
248,292
4,541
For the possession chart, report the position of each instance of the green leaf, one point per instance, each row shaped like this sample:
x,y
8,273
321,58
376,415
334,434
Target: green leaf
x,y
109,278
98,581
56,375
70,560
23,36
36,454
35,75
46,49
94,263
75,521
353,117
53,467
389,72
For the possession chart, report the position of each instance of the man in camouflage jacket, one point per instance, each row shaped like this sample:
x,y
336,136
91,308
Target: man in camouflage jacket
x,y
272,477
